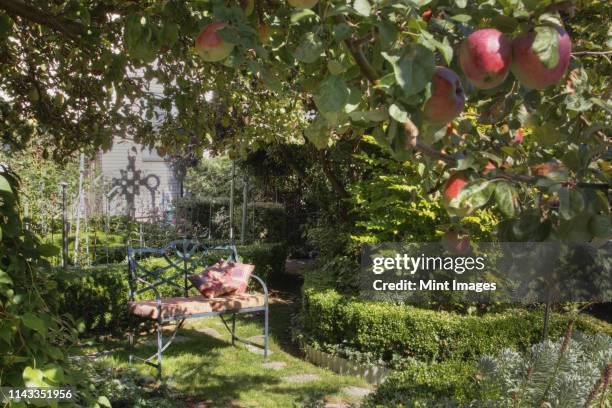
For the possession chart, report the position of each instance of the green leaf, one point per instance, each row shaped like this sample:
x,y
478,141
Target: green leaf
x,y
318,132
54,372
363,7
576,229
461,3
335,67
505,196
300,14
369,116
4,185
413,69
169,34
103,401
600,226
5,278
462,18
34,322
310,48
398,113
332,94
548,135
473,196
33,377
388,33
341,31
571,203
546,45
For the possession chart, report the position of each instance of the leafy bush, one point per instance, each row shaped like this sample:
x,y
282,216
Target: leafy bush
x,y
269,259
421,385
571,372
270,218
35,339
391,332
100,293
393,204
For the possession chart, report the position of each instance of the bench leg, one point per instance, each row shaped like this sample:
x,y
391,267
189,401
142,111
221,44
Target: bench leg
x,y
159,349
266,332
233,329
131,347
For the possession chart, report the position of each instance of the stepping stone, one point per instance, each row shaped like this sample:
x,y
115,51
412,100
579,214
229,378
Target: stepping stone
x,y
356,391
275,365
336,405
302,378
210,332
256,350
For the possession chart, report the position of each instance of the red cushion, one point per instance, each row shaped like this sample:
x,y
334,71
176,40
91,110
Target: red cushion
x,y
223,278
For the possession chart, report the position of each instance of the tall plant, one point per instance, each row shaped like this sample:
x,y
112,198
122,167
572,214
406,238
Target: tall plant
x,y
35,342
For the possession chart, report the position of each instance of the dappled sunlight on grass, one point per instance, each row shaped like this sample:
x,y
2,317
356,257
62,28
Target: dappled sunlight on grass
x,y
205,369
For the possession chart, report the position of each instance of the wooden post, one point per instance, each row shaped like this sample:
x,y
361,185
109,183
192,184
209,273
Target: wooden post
x,y
63,185
231,204
245,208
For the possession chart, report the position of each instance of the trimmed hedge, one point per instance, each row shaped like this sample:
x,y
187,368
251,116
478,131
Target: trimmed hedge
x,y
388,331
420,385
100,294
270,217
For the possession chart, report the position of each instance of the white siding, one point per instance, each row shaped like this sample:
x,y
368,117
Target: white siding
x,y
149,187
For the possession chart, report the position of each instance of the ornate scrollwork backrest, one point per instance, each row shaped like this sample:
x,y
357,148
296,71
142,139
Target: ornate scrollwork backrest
x,y
182,258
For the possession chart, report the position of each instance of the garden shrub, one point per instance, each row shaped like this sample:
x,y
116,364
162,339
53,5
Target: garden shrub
x,y
573,371
270,217
391,332
420,385
36,341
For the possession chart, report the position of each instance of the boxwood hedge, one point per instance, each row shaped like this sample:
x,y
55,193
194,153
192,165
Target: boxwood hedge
x,y
391,331
451,383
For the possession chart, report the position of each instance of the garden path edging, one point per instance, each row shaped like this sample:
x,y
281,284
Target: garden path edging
x,y
373,374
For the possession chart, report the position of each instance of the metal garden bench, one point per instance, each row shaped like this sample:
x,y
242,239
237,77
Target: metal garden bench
x,y
181,259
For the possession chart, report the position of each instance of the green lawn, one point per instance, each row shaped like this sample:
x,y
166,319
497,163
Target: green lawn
x,y
209,371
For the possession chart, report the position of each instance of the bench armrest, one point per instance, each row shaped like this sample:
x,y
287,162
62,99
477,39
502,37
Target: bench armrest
x,y
262,284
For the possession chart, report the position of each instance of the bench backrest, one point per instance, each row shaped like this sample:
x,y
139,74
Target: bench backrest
x,y
171,265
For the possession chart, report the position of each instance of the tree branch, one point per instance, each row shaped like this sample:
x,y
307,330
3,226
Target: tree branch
x,y
356,51
331,176
608,52
70,29
427,150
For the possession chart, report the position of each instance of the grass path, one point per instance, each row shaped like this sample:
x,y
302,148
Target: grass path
x,y
206,371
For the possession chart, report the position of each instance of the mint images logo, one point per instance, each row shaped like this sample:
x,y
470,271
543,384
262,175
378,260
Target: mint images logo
x,y
488,272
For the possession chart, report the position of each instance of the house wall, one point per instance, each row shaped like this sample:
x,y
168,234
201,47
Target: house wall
x,y
141,183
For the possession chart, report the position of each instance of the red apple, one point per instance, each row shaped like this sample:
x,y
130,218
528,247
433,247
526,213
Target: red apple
x,y
302,4
518,138
454,242
527,67
453,187
210,46
485,58
488,167
447,98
